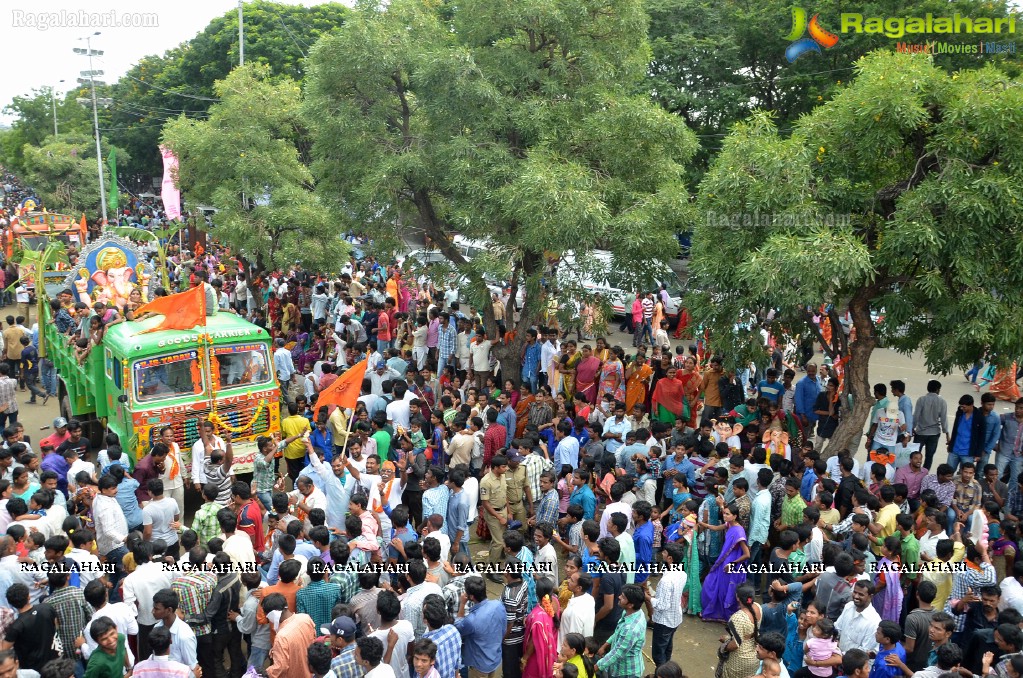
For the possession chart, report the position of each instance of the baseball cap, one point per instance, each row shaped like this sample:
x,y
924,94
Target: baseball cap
x,y
381,364
59,422
516,457
343,627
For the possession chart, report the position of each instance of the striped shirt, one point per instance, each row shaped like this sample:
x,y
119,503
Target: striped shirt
x,y
648,309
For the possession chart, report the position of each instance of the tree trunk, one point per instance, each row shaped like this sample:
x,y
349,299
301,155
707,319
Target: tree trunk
x,y
856,376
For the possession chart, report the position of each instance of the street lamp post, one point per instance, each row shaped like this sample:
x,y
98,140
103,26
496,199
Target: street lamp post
x,y
53,100
90,52
241,35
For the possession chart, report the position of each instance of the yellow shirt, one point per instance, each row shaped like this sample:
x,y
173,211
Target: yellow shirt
x,y
937,573
886,519
295,426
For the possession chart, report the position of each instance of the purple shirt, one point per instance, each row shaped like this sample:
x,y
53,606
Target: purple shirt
x,y
911,479
433,333
58,464
945,492
145,470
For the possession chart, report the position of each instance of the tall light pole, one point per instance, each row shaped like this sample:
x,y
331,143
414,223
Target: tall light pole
x,y
91,75
241,35
53,100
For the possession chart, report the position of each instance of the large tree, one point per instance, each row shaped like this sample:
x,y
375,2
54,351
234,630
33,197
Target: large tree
x,y
715,63
63,172
182,80
900,197
243,161
516,123
34,122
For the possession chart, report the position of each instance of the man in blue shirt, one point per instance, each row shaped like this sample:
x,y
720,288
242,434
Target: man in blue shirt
x,y
643,538
807,391
481,645
507,417
770,387
582,494
905,403
967,439
567,451
632,447
678,464
615,429
992,426
760,520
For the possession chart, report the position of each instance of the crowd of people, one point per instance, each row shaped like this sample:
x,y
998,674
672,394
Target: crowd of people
x,y
610,495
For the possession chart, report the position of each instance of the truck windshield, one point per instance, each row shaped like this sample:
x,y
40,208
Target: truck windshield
x,y
241,365
167,376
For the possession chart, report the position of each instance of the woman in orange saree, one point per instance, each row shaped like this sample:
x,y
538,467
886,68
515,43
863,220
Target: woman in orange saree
x,y
1004,385
637,379
691,382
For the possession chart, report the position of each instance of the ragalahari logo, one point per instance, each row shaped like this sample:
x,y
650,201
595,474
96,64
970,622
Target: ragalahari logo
x,y
819,36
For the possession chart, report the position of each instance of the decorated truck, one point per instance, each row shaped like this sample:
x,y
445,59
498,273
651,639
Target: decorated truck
x,y
34,231
137,380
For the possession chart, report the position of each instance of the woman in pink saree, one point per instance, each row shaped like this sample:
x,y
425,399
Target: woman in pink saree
x,y
612,375
586,373
540,650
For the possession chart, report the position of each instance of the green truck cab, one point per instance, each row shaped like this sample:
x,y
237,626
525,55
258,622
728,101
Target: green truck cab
x,y
136,382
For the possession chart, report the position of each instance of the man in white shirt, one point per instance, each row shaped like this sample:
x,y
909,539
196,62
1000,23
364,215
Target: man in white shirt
x,y
199,453
121,614
184,647
547,351
1012,589
578,615
379,375
665,607
306,497
479,368
237,544
398,410
140,586
857,625
160,517
111,525
450,295
618,489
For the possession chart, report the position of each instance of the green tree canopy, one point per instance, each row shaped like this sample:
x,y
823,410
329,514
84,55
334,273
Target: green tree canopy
x,y
63,172
898,196
516,123
714,63
244,162
183,80
34,122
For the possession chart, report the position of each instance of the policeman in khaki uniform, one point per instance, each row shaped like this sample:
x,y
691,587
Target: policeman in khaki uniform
x,y
518,488
494,507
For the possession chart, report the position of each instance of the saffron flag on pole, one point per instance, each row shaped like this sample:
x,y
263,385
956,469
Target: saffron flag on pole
x,y
181,311
168,190
345,390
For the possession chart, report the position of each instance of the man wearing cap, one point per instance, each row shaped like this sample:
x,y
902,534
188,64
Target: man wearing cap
x,y
520,498
494,505
342,632
59,435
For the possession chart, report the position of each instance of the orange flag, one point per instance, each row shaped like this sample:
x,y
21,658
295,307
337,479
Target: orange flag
x,y
181,311
345,390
